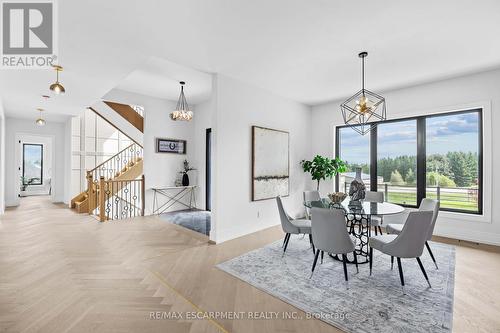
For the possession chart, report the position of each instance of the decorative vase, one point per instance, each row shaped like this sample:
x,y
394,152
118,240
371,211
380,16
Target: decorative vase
x,y
185,180
357,190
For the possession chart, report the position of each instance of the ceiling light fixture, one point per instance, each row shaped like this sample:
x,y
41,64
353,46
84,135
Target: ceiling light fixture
x,y
57,88
40,121
182,111
365,107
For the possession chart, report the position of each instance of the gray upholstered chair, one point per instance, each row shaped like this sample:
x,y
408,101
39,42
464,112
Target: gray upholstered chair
x,y
376,221
408,244
330,235
311,196
293,227
426,204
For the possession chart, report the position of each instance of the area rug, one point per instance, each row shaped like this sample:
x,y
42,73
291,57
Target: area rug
x,y
196,220
371,304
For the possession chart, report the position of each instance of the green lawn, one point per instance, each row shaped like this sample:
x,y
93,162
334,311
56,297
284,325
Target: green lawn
x,y
447,200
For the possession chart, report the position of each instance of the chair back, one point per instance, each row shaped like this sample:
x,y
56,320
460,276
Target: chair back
x,y
329,231
410,242
286,225
432,205
373,196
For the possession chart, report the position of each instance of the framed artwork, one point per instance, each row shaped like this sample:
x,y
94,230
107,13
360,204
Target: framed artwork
x,y
172,146
270,163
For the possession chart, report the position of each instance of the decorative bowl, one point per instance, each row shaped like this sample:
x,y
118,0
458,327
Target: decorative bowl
x,y
337,197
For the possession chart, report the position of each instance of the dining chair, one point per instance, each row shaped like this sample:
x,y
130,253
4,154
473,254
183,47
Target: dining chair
x,y
426,204
311,196
376,221
409,243
293,227
330,235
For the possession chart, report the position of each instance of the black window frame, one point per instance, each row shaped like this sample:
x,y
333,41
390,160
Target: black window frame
x,y
41,169
421,155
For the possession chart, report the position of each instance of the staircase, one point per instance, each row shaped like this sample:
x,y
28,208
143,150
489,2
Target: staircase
x,y
115,188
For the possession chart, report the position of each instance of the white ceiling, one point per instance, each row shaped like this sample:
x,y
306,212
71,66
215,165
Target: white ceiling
x,y
303,50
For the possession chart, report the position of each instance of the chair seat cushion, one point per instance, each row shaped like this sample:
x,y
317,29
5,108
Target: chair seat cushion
x,y
303,225
378,242
394,229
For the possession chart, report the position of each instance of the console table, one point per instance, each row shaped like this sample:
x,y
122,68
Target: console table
x,y
173,195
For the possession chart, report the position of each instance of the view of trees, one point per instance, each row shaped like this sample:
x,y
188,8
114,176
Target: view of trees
x,y
454,169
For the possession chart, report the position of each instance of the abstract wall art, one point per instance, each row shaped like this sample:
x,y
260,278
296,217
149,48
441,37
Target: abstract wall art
x,y
270,163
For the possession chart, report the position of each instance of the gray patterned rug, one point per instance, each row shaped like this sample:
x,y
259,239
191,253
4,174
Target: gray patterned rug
x,y
371,304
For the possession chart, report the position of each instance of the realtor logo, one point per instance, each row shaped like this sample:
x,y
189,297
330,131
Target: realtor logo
x,y
28,34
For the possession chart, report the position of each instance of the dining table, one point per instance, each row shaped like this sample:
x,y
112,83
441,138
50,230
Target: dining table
x,y
358,220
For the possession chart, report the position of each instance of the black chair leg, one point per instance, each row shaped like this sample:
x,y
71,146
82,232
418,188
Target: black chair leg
x,y
401,277
284,240
432,255
322,254
371,260
423,271
344,263
376,233
392,262
286,243
380,230
356,260
314,262
312,244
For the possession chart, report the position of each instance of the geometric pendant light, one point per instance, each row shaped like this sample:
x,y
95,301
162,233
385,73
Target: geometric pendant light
x,y
182,111
57,87
364,107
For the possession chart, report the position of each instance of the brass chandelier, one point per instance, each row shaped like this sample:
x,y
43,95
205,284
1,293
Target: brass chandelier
x,y
363,108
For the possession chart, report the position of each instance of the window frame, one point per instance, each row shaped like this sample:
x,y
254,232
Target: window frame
x,y
41,165
421,155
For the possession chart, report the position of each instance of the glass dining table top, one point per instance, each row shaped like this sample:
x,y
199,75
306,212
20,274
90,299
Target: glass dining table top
x,y
360,207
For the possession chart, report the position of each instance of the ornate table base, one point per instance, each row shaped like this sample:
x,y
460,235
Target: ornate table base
x,y
360,227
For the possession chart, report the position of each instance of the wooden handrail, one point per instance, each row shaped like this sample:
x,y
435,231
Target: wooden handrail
x,y
109,159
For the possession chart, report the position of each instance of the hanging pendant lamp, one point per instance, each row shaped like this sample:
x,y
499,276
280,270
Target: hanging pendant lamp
x,y
365,107
57,87
182,111
40,121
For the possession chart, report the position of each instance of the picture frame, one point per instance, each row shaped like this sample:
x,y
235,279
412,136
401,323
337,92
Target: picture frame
x,y
171,146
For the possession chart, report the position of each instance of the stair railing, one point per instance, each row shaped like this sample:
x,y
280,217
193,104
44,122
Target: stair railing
x,y
116,163
120,199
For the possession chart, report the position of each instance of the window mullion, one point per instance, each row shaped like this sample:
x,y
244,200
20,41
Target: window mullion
x,y
373,159
421,159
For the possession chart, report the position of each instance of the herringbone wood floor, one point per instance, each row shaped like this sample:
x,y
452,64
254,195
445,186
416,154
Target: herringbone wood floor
x,y
64,272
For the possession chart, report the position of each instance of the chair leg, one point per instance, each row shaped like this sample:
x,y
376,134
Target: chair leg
x,y
312,244
392,262
432,255
423,271
376,233
371,259
344,263
314,262
356,260
322,254
380,230
401,277
286,243
284,240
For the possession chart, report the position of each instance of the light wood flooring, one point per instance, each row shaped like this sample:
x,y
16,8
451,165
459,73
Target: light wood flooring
x,y
64,272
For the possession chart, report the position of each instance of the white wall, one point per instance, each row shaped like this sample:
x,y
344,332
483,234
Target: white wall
x,y
239,106
160,170
14,127
2,158
481,90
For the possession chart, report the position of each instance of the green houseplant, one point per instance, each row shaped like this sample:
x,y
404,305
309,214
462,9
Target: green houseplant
x,y
322,168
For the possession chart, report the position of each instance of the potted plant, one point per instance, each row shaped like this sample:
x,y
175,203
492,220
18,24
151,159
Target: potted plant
x,y
185,177
24,183
322,168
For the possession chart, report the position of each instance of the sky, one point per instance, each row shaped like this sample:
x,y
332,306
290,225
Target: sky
x,y
444,133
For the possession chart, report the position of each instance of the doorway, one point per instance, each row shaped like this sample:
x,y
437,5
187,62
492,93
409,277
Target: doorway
x,y
208,169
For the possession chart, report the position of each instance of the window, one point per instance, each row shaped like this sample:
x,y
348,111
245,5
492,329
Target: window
x,y
32,164
355,151
436,156
397,161
452,160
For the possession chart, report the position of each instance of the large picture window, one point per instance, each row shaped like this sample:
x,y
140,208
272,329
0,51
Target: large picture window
x,y
435,156
32,164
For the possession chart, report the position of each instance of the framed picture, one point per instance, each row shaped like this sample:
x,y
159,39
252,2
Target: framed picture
x,y
270,163
172,146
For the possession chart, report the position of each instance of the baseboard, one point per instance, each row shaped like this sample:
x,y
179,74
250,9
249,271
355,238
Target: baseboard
x,y
470,235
